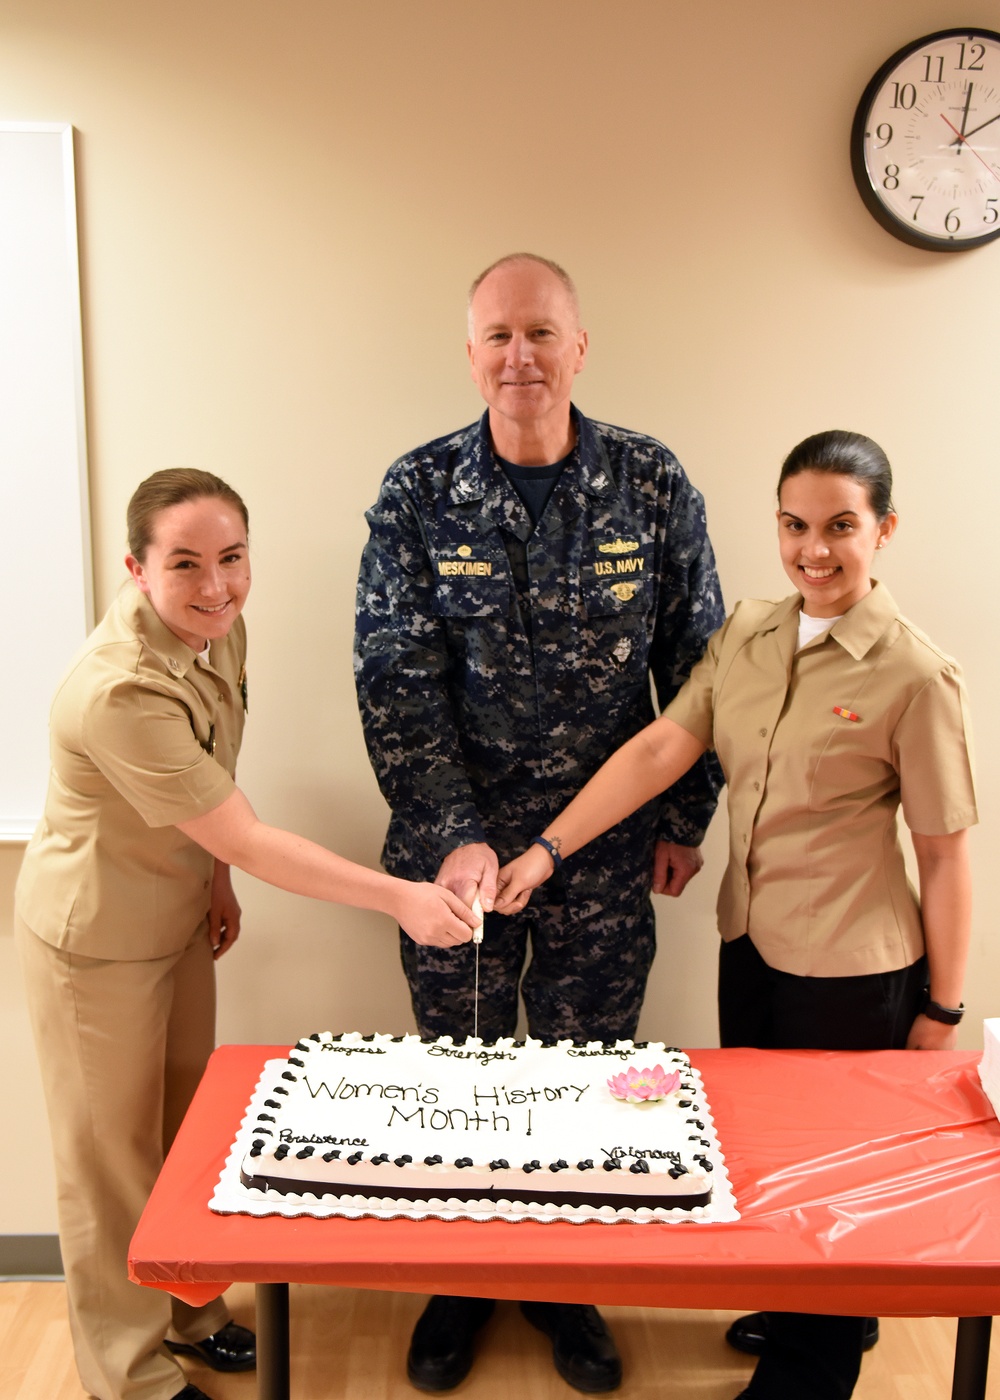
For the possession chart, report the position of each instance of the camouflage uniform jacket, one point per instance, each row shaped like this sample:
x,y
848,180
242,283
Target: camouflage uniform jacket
x,y
499,664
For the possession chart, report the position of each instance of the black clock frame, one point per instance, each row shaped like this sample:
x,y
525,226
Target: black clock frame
x,y
862,179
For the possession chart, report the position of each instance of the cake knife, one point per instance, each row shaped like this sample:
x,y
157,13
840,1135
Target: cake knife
x,y
477,938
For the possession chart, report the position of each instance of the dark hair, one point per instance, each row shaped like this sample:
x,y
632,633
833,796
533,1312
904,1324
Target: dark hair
x,y
172,487
844,454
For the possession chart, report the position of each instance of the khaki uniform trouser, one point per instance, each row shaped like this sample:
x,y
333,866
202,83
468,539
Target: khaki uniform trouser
x,y
122,1046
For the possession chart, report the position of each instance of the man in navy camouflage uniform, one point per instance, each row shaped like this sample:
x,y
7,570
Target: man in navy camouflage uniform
x,y
523,580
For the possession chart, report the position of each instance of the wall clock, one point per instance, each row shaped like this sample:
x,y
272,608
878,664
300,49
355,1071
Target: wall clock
x,y
925,145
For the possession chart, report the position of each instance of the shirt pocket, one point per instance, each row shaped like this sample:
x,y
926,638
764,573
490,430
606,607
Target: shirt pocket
x,y
628,596
617,610
617,576
853,763
468,595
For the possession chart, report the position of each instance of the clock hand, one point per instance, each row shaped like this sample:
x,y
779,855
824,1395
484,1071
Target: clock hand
x,y
981,125
965,142
965,114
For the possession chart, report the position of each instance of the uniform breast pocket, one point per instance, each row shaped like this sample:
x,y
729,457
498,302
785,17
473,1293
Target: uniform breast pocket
x,y
617,596
853,763
617,610
465,596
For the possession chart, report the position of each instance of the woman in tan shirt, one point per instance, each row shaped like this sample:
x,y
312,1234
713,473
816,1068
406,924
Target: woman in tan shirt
x,y
828,712
124,900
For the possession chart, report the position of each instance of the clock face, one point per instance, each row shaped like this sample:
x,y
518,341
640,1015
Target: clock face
x,y
925,147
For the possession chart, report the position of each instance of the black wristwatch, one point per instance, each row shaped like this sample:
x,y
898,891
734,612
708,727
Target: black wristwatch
x,y
947,1015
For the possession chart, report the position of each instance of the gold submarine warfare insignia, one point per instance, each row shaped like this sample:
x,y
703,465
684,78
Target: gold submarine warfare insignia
x,y
624,591
619,546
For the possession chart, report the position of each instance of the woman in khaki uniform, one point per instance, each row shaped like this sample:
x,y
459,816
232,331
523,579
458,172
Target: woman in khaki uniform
x,y
828,712
124,900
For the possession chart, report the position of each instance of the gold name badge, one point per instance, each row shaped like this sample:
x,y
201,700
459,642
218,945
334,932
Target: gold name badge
x,y
604,567
452,568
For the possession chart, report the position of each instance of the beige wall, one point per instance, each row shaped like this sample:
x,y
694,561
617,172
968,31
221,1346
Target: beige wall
x,y
280,209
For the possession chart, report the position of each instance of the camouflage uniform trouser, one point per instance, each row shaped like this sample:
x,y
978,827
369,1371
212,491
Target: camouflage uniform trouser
x,y
586,979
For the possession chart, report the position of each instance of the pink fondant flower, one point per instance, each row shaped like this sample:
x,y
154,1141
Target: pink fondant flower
x,y
644,1085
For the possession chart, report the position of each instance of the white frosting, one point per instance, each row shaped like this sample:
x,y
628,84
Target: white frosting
x,y
356,1099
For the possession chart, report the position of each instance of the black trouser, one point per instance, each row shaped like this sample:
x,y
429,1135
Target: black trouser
x,y
812,1356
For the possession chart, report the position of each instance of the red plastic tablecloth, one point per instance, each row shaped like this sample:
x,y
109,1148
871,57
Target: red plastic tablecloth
x,y
868,1183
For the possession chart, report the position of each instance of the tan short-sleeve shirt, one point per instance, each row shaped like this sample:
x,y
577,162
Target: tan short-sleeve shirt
x,y
143,734
819,748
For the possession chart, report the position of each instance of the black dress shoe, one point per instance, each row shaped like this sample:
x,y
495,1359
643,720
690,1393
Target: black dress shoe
x,y
750,1334
232,1348
442,1346
583,1349
191,1392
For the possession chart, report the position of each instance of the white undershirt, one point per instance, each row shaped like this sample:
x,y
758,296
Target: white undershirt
x,y
812,627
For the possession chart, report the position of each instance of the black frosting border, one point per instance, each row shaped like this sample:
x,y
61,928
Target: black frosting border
x,y
571,1200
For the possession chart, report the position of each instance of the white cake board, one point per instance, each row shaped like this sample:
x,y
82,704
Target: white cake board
x,y
231,1197
989,1065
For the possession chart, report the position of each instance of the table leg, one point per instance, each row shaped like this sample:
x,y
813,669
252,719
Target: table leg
x,y
272,1341
972,1358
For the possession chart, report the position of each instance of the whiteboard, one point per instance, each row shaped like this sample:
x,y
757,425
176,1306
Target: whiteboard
x,y
46,582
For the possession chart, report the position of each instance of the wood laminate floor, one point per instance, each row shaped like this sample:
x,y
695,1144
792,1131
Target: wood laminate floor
x,y
351,1344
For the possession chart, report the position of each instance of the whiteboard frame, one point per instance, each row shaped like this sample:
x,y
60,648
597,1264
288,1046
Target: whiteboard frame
x,y
28,727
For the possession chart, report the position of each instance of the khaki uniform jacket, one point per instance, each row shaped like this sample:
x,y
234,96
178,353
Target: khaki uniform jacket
x,y
143,734
819,749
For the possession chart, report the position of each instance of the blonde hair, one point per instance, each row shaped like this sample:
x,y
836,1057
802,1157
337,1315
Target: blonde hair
x,y
511,259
